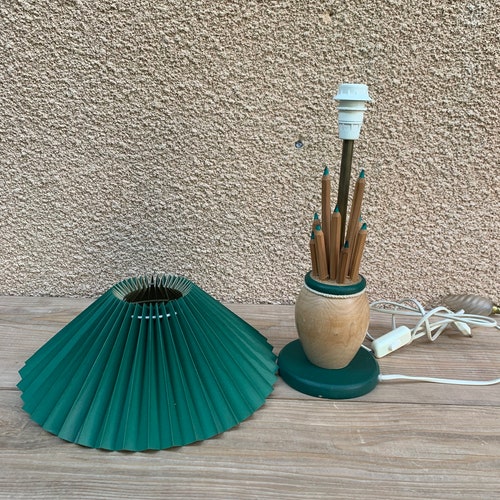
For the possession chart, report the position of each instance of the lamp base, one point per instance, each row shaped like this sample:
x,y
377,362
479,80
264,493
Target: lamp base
x,y
359,377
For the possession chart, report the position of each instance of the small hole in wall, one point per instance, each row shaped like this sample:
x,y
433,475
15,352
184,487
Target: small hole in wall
x,y
299,143
327,16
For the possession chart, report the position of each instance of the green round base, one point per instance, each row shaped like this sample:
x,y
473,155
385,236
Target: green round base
x,y
359,377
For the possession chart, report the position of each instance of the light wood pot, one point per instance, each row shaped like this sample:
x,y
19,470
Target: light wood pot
x,y
332,321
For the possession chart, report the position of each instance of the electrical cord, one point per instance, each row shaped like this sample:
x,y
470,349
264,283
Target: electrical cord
x,y
430,324
424,327
388,378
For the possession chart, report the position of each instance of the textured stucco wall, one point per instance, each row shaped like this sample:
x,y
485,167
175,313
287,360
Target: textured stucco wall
x,y
140,136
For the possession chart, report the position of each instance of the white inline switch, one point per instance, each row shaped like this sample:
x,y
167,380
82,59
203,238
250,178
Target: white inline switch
x,y
391,341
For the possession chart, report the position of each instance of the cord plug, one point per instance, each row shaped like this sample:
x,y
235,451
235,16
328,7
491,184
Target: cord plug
x,y
391,341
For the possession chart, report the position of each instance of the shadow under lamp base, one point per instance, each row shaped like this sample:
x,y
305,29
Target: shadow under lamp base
x,y
359,377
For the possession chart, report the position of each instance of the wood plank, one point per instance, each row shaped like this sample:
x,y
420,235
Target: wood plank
x,y
403,440
287,449
26,323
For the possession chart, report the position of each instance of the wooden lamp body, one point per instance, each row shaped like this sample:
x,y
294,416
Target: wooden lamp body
x,y
332,321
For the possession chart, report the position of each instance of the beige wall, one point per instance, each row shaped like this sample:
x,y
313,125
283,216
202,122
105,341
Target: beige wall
x,y
142,136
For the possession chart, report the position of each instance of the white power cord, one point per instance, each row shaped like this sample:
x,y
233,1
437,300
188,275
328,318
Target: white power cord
x,y
388,378
431,324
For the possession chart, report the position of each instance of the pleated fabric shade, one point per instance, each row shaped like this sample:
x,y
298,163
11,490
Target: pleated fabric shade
x,y
153,363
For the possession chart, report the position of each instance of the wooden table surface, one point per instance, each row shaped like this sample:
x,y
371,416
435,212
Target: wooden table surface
x,y
402,440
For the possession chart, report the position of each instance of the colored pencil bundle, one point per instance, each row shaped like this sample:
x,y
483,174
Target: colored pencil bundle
x,y
333,256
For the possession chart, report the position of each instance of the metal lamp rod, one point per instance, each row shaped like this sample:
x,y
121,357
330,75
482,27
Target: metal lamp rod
x,y
344,180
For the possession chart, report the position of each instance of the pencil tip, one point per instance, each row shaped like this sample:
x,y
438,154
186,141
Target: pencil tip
x,y
316,216
364,226
346,244
337,209
312,235
318,227
362,174
326,171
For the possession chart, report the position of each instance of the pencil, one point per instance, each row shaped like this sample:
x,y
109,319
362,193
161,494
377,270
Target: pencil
x,y
314,261
326,209
357,199
319,239
335,242
345,255
316,221
355,237
358,253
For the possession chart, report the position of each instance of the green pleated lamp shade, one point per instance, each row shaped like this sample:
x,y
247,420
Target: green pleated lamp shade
x,y
153,363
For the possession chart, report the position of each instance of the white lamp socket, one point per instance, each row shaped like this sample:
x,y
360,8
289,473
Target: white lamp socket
x,y
351,98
